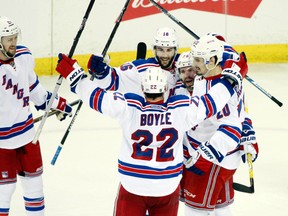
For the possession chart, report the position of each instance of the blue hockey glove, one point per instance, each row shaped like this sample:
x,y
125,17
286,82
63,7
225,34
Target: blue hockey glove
x,y
248,143
98,67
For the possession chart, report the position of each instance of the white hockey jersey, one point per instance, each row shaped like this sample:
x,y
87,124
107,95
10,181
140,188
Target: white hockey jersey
x,y
127,77
19,85
151,157
222,131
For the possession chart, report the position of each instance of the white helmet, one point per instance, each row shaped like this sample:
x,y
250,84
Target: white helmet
x,y
184,60
7,27
154,80
206,47
166,37
218,36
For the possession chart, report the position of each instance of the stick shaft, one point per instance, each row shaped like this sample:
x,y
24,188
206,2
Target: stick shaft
x,y
141,50
264,91
174,19
197,37
108,43
118,21
244,188
59,81
54,112
251,172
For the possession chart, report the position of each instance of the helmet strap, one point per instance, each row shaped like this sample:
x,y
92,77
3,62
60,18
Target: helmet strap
x,y
5,52
210,69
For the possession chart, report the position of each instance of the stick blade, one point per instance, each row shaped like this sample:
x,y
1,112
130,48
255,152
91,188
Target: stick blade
x,y
243,188
141,50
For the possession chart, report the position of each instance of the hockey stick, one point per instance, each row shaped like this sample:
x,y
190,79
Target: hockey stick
x,y
53,112
108,43
59,81
141,50
197,37
244,188
263,90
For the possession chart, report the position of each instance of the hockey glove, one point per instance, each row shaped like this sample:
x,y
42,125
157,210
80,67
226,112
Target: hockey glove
x,y
98,66
236,70
209,153
69,69
197,164
203,158
59,104
248,141
191,164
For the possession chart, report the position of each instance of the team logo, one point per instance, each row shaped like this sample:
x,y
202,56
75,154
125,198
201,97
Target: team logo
x,y
240,8
5,174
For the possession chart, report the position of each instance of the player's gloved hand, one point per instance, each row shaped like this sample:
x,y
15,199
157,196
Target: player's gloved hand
x,y
209,153
69,69
98,66
197,164
191,163
236,70
64,109
248,143
59,103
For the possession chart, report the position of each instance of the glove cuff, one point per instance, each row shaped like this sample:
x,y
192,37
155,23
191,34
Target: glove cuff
x,y
75,76
233,74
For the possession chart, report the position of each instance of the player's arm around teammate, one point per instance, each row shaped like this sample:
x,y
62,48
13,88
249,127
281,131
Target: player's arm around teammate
x,y
149,164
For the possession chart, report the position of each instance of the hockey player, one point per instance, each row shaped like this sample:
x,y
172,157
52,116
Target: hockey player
x,y
127,77
151,156
187,73
207,181
19,158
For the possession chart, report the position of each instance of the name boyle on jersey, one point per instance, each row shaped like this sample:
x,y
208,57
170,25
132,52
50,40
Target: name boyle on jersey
x,y
152,119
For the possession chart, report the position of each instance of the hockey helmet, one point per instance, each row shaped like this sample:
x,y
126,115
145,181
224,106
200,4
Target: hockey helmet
x,y
184,60
218,36
206,47
154,80
165,37
7,27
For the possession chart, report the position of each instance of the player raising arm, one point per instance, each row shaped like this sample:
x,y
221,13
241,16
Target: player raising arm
x,y
151,156
127,77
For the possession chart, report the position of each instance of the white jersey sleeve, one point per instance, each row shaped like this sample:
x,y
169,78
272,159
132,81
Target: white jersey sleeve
x,y
223,130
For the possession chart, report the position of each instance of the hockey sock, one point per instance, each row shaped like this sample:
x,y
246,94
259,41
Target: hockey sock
x,y
33,195
6,191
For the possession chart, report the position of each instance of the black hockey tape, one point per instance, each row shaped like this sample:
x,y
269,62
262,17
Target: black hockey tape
x,y
141,50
